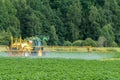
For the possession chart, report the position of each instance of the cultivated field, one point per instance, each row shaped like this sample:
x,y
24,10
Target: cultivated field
x,y
58,69
60,65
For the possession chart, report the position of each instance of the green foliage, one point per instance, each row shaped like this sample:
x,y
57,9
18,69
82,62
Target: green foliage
x,y
72,19
5,38
89,42
58,69
67,43
44,43
107,32
53,36
77,43
101,41
114,44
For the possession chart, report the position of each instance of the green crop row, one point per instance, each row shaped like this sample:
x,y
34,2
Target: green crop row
x,y
58,69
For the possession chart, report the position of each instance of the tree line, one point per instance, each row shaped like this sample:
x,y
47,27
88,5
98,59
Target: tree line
x,y
64,21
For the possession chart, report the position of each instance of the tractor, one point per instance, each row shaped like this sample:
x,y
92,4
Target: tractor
x,y
32,46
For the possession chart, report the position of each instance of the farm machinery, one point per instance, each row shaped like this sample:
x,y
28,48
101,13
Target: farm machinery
x,y
27,47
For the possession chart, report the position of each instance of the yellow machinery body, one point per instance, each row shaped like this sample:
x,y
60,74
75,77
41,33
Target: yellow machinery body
x,y
23,48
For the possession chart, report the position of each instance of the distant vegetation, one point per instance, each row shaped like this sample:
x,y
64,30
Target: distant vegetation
x,y
66,22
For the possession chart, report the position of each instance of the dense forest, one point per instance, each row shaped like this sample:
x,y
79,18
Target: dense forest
x,y
66,22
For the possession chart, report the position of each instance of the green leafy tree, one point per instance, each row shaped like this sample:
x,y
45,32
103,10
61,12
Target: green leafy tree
x,y
107,32
101,41
8,18
77,43
89,42
73,21
5,40
53,36
67,43
94,18
30,25
114,44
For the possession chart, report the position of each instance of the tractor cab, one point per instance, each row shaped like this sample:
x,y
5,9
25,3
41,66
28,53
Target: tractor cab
x,y
37,45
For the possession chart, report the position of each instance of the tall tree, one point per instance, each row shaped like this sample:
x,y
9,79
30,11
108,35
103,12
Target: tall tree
x,y
53,36
29,22
9,22
94,25
107,32
73,20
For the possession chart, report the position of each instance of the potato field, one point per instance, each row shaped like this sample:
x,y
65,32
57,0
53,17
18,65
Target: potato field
x,y
32,68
